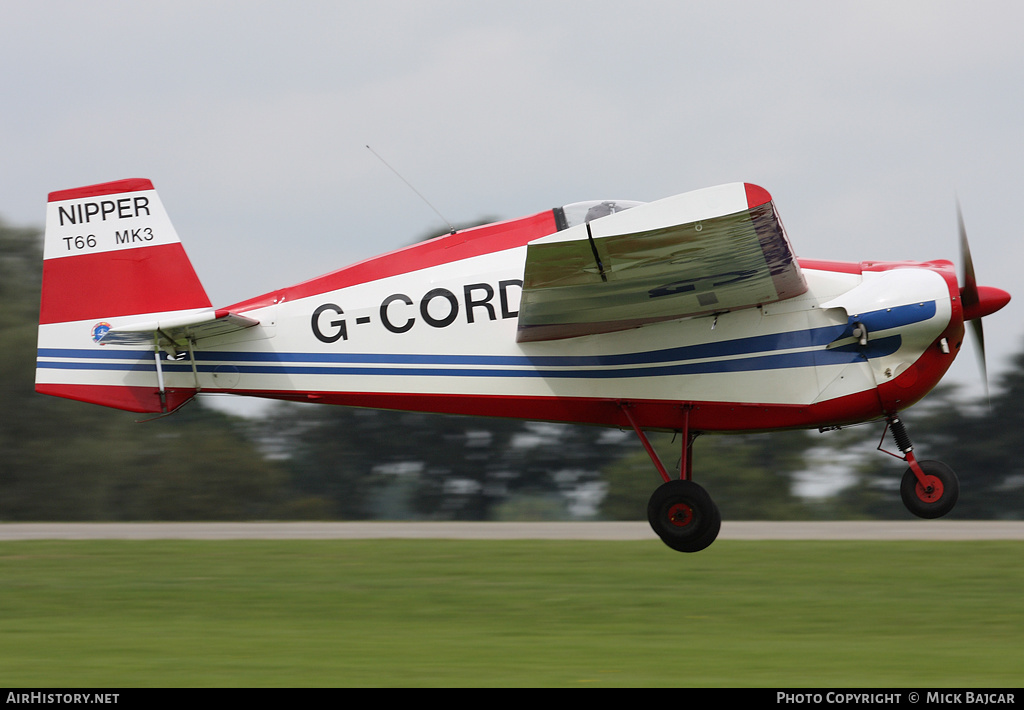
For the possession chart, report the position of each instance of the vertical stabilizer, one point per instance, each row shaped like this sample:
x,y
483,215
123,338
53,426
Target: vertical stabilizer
x,y
110,258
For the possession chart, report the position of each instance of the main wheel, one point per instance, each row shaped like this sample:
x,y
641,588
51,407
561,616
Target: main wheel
x,y
937,496
684,516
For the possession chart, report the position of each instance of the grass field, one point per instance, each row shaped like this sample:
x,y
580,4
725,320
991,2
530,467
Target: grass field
x,y
518,613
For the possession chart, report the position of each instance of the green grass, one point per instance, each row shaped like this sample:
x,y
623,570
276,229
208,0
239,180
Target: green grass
x,y
522,613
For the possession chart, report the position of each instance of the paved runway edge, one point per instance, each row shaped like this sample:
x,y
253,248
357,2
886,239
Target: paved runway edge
x,y
739,530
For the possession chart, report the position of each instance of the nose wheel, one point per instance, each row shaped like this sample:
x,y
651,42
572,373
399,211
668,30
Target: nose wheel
x,y
929,489
931,493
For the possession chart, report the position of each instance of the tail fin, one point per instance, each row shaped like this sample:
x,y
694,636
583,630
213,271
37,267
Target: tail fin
x,y
111,258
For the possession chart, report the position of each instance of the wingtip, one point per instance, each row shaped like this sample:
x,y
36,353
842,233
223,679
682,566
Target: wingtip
x,y
756,195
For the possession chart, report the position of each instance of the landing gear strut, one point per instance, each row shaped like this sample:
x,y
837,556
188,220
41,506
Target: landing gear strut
x,y
929,489
680,511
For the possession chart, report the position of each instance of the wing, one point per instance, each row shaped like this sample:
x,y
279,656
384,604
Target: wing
x,y
709,251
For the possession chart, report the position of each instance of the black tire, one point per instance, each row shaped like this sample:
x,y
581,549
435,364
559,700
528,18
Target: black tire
x,y
684,516
935,500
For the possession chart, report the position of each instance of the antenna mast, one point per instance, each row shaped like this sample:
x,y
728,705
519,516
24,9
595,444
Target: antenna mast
x,y
450,227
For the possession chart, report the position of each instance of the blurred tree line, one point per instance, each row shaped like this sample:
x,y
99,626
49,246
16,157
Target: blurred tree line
x,y
65,460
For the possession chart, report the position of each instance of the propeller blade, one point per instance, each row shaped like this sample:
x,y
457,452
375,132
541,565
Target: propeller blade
x,y
969,286
969,299
979,341
976,302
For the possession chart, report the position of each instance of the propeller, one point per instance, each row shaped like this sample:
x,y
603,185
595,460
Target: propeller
x,y
976,301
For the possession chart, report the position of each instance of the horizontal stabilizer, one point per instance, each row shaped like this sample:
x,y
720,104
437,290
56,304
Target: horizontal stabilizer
x,y
177,331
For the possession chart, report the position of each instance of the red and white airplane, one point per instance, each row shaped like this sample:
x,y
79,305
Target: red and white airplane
x,y
689,314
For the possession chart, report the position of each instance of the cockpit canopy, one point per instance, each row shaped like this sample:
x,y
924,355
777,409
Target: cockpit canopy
x,y
584,212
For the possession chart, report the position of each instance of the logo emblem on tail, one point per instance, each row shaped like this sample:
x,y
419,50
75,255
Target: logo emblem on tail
x,y
99,330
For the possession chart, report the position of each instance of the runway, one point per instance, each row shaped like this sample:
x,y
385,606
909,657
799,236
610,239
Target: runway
x,y
740,530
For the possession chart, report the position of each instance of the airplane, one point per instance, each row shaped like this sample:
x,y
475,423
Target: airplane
x,y
689,314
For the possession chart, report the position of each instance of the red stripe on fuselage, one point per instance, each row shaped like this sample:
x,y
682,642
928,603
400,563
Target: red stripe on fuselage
x,y
478,241
649,414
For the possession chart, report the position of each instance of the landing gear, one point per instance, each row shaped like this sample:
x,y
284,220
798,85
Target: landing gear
x,y
684,516
929,489
681,512
935,495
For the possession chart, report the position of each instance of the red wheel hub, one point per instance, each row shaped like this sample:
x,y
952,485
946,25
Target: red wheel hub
x,y
680,515
931,490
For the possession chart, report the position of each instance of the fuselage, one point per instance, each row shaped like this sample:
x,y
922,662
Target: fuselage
x,y
432,328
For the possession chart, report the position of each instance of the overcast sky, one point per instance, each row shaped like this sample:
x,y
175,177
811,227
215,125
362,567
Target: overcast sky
x,y
864,120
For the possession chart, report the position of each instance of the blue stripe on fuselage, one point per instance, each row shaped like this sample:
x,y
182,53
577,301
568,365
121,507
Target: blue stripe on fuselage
x,y
762,352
